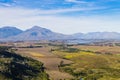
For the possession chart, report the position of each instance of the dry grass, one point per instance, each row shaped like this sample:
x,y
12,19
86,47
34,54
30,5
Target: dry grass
x,y
59,75
36,54
50,61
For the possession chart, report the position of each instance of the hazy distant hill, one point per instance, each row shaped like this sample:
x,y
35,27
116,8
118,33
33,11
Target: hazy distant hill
x,y
97,35
78,35
37,33
9,31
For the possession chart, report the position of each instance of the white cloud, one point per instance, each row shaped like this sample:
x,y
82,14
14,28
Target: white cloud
x,y
21,11
24,19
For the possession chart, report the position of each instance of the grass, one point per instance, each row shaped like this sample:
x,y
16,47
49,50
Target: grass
x,y
102,49
74,55
91,66
86,64
68,55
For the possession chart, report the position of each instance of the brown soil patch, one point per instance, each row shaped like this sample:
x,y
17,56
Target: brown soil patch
x,y
50,61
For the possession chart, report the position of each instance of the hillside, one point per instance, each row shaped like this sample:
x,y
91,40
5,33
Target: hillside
x,y
16,67
9,31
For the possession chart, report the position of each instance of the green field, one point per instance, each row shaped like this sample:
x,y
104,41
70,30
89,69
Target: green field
x,y
88,65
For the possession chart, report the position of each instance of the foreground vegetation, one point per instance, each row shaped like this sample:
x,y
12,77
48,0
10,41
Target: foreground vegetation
x,y
16,67
85,62
88,65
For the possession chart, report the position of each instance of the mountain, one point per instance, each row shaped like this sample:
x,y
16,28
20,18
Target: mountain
x,y
98,35
8,31
37,33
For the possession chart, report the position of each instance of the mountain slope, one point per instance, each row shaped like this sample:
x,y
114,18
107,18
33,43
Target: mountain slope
x,y
13,66
9,31
37,33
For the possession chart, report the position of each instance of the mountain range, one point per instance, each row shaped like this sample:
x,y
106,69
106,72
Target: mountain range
x,y
97,35
8,33
35,33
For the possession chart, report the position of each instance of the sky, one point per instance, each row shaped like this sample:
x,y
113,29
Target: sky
x,y
63,16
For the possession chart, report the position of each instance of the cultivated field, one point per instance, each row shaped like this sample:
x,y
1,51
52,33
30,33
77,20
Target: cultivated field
x,y
50,61
91,62
102,49
75,62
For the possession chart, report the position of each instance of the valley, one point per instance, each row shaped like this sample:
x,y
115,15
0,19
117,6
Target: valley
x,y
59,39
72,62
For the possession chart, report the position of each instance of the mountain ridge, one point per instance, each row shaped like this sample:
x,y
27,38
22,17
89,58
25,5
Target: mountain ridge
x,y
9,33
98,35
36,33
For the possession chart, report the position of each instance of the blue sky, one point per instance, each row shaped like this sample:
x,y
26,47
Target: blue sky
x,y
64,16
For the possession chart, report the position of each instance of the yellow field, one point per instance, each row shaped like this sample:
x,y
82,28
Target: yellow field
x,y
73,55
34,54
70,56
